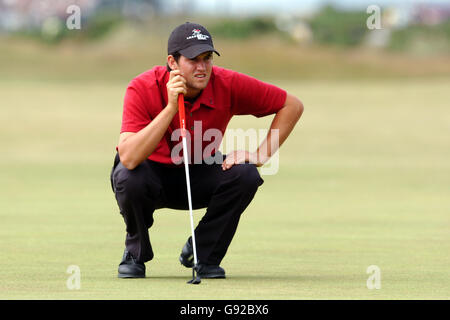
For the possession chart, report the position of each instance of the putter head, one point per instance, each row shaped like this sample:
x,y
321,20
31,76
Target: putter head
x,y
195,278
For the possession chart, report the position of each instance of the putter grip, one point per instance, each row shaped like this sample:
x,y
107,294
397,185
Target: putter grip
x,y
182,114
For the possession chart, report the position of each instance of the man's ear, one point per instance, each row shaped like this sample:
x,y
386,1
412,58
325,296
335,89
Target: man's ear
x,y
171,62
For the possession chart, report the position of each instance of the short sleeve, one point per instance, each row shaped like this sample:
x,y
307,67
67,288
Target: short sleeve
x,y
135,116
251,96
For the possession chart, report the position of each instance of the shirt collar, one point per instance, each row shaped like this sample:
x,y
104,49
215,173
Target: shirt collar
x,y
206,97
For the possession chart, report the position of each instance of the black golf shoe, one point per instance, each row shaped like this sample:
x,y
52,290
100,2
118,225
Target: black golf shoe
x,y
130,267
208,271
204,271
187,254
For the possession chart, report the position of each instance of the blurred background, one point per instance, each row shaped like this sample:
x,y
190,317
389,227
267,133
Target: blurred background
x,y
363,179
316,38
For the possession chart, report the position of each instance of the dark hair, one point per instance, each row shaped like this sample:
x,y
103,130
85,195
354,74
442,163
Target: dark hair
x,y
176,56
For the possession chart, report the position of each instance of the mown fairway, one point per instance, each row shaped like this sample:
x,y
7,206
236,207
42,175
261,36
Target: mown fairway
x,y
363,180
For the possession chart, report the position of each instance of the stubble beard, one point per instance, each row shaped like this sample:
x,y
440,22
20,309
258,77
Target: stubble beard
x,y
197,86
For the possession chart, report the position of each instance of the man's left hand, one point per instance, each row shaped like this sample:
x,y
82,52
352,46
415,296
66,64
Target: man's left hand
x,y
240,156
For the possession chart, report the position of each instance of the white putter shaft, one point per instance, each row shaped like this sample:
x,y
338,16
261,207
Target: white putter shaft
x,y
182,116
188,184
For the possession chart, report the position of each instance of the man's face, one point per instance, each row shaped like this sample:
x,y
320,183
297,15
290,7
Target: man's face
x,y
196,71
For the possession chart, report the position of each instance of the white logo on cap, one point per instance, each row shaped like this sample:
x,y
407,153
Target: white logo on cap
x,y
197,33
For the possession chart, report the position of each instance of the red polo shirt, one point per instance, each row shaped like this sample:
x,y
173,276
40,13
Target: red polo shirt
x,y
227,93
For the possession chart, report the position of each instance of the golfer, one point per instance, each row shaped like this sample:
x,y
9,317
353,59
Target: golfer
x,y
147,173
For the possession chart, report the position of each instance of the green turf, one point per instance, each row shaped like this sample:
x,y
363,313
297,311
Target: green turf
x,y
363,180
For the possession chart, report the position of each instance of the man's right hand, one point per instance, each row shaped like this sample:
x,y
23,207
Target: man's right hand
x,y
135,147
175,86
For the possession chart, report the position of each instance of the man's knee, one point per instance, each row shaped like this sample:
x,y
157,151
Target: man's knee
x,y
129,182
248,177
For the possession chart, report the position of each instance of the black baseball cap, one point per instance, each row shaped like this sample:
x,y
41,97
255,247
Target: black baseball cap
x,y
190,40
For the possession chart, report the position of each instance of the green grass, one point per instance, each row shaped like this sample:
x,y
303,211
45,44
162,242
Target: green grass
x,y
130,50
363,180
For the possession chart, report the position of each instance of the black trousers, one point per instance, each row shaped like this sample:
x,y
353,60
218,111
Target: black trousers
x,y
151,185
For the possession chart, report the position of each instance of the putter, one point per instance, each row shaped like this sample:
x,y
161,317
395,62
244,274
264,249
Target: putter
x,y
181,112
